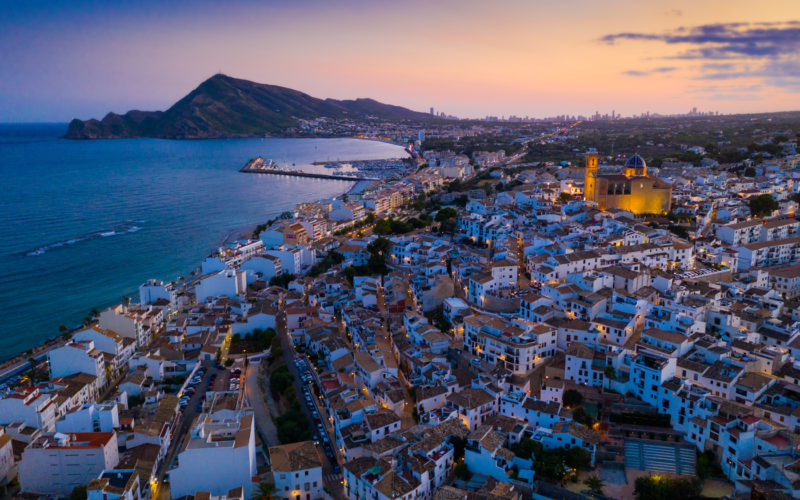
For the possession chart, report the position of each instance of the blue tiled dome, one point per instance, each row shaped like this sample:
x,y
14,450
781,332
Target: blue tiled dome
x,y
635,161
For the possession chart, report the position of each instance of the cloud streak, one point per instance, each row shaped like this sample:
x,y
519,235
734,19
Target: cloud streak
x,y
724,41
665,69
732,51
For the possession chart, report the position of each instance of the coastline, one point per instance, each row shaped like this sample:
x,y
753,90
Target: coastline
x,y
224,236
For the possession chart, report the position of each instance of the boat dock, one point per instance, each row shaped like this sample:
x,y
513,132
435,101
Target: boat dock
x,y
337,162
255,167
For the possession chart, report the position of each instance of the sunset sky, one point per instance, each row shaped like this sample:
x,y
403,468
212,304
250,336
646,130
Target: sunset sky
x,y
82,59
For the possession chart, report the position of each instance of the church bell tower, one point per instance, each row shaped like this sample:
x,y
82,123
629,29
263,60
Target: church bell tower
x,y
590,182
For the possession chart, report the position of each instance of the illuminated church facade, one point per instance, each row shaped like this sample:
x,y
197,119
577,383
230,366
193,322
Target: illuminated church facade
x,y
632,189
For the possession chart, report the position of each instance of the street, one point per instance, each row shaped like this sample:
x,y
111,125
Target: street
x,y
189,414
332,480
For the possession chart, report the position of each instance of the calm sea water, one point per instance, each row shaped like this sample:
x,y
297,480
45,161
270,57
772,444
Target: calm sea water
x,y
83,223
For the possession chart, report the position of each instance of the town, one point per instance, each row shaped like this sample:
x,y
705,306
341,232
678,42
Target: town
x,y
572,308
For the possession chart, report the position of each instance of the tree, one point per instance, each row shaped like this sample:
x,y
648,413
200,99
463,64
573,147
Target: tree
x,y
750,172
63,329
264,491
95,312
461,470
415,414
228,362
595,483
679,231
527,449
446,214
577,458
237,337
763,204
79,493
370,218
572,398
658,487
281,379
293,426
282,280
564,197
610,373
579,415
441,322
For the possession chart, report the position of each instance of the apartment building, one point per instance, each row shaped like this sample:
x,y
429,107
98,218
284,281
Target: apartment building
x,y
473,405
153,290
117,484
648,372
220,455
78,357
768,253
30,406
90,417
228,282
537,413
740,233
297,471
518,345
117,350
8,468
137,324
264,266
55,463
503,275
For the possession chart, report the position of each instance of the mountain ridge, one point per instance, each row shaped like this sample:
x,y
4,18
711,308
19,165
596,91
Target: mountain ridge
x,y
225,107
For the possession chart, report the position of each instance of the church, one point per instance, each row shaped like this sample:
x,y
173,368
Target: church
x,y
632,189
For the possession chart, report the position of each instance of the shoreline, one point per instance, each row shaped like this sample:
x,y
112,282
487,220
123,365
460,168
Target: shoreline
x,y
226,237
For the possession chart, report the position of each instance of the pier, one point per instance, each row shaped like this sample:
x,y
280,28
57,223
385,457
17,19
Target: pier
x,y
294,173
337,162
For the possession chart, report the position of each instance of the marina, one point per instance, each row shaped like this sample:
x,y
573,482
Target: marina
x,y
261,166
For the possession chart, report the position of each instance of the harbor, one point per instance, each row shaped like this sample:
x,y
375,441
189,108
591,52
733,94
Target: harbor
x,y
262,166
368,170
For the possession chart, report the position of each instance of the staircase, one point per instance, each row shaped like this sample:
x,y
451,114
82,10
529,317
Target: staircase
x,y
672,458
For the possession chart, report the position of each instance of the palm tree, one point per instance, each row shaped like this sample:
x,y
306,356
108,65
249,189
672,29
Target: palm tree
x,y
63,329
95,312
595,483
264,491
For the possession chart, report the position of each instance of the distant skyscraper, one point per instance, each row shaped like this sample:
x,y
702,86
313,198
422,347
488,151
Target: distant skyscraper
x,y
431,110
421,136
612,114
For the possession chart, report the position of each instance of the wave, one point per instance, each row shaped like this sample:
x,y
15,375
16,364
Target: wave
x,y
115,230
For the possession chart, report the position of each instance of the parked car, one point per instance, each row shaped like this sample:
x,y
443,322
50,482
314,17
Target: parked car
x,y
336,468
316,439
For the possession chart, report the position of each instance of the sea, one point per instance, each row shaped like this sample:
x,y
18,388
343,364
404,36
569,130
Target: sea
x,y
84,223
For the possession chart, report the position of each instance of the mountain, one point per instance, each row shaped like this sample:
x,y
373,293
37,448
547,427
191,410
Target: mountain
x,y
224,107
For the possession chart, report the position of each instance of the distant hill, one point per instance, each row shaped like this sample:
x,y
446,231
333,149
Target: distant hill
x,y
228,107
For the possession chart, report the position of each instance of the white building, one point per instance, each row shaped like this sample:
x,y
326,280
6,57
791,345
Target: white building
x,y
265,265
8,469
228,282
30,406
133,324
153,290
90,417
297,471
518,345
108,342
291,259
54,464
219,456
78,357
